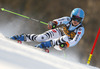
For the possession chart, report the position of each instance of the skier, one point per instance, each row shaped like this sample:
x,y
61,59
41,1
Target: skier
x,y
68,35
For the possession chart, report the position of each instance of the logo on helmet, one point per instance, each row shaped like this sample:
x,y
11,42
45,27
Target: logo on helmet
x,y
78,14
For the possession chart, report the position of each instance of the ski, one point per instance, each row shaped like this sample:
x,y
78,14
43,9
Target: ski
x,y
43,49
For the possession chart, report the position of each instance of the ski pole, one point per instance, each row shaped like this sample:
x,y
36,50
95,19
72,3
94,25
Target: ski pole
x,y
24,16
89,59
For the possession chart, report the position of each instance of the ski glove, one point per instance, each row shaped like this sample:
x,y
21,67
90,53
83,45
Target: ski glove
x,y
64,45
52,24
18,37
45,44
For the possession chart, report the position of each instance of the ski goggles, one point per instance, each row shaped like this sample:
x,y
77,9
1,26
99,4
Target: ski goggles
x,y
76,18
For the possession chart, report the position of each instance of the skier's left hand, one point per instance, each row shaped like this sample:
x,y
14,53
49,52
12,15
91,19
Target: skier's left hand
x,y
52,24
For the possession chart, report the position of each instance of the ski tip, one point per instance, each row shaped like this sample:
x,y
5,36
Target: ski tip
x,y
2,9
47,50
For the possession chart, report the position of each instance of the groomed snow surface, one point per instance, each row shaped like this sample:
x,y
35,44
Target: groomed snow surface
x,y
20,56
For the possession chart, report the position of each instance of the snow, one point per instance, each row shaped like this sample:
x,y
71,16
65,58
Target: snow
x,y
21,56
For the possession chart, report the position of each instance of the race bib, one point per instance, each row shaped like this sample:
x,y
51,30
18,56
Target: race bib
x,y
71,34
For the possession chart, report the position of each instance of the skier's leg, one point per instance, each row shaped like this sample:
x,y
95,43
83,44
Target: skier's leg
x,y
48,35
61,42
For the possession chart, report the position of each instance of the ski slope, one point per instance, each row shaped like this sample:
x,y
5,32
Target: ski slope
x,y
20,56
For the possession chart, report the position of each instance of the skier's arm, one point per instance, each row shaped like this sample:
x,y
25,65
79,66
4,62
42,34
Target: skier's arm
x,y
69,43
56,22
63,20
78,36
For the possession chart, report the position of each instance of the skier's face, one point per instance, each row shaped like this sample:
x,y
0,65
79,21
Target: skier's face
x,y
75,23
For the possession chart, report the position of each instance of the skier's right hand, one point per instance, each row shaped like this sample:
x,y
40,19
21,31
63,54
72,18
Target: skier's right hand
x,y
18,37
63,45
52,24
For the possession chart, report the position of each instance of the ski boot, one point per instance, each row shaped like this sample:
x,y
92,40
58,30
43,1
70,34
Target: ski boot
x,y
44,45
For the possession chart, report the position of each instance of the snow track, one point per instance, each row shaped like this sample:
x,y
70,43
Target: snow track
x,y
20,56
